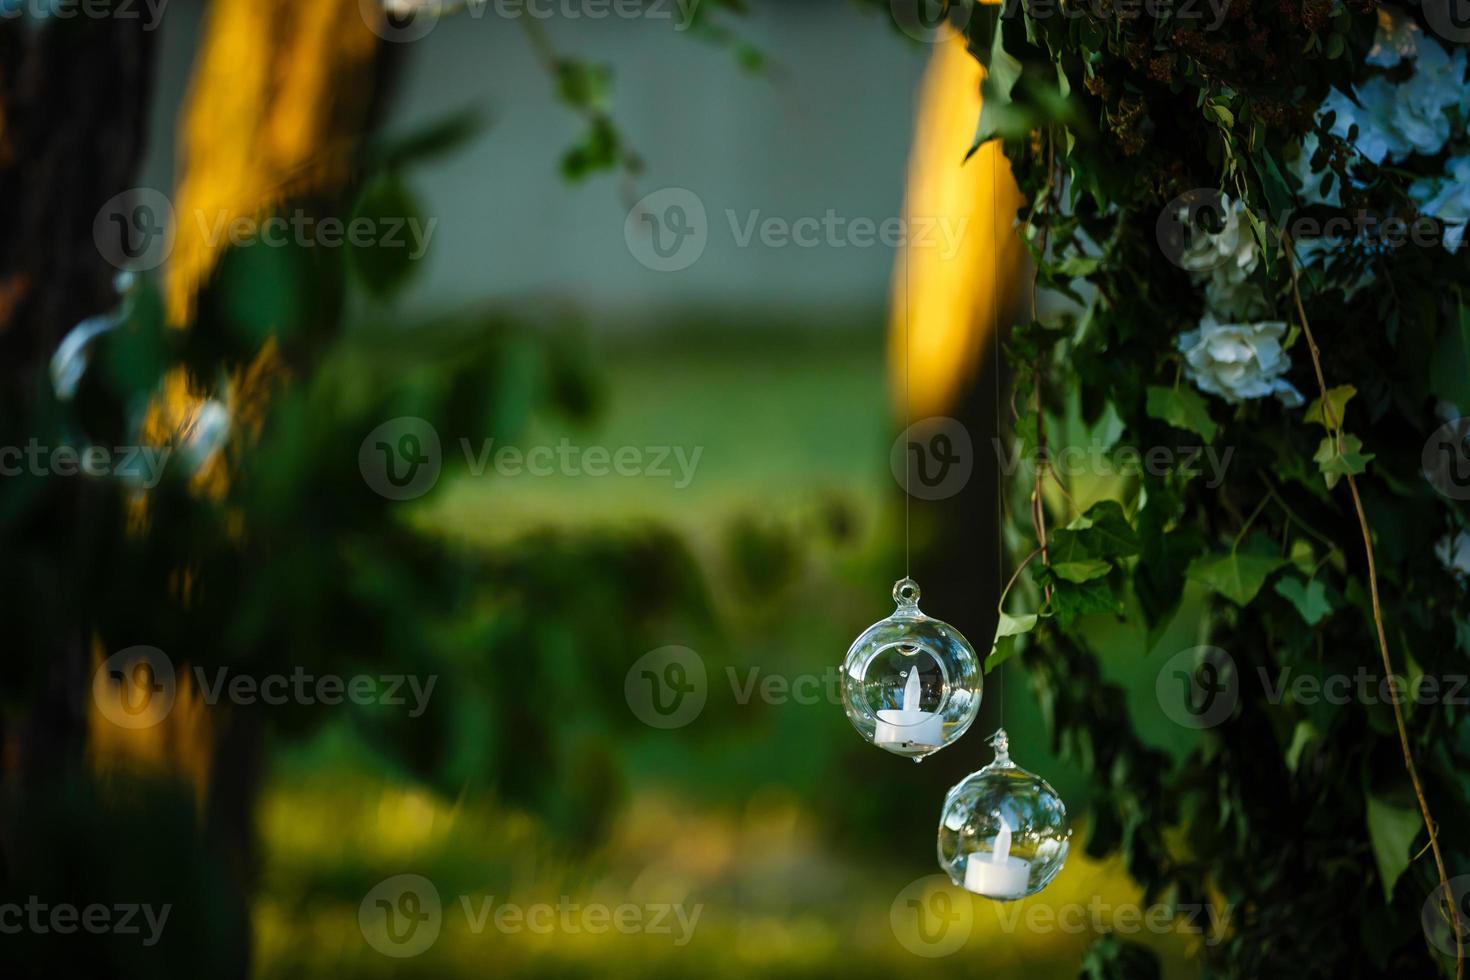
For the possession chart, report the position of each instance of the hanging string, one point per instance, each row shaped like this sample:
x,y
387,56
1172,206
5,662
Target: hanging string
x,y
909,459
995,157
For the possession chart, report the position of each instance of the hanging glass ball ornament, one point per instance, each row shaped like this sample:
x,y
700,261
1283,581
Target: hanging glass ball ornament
x,y
911,684
1003,833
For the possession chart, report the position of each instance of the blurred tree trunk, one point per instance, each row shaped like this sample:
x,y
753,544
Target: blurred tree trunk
x,y
74,97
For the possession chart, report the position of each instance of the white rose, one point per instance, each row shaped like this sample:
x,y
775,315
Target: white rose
x,y
1448,199
1226,261
1397,119
1239,361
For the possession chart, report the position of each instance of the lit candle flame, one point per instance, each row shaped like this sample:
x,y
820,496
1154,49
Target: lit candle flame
x,y
1002,844
911,692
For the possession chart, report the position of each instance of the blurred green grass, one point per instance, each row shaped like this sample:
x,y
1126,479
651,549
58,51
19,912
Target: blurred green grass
x,y
743,811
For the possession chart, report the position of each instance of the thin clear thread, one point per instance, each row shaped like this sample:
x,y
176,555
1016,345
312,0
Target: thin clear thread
x,y
908,470
995,158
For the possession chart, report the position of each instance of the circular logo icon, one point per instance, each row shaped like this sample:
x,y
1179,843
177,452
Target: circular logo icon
x,y
933,458
931,21
1198,687
667,687
134,688
401,916
400,459
932,917
1450,19
400,21
1194,231
1446,459
667,230
1439,919
134,230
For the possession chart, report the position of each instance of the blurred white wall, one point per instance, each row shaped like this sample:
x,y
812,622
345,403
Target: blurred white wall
x,y
826,128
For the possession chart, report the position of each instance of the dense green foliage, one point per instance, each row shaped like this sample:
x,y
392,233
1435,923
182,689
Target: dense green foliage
x,y
1294,814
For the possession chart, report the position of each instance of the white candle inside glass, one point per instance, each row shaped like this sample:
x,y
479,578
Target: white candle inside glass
x,y
998,875
908,724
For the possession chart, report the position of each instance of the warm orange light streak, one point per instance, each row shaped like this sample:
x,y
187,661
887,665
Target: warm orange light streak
x,y
953,289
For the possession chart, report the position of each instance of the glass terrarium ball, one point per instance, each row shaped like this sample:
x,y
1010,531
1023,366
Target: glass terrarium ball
x,y
1003,833
911,684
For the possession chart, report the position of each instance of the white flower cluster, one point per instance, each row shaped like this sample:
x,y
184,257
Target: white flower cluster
x,y
1448,199
1239,361
1225,262
1395,120
1227,355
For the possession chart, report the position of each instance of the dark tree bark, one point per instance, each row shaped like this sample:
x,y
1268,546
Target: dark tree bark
x,y
74,96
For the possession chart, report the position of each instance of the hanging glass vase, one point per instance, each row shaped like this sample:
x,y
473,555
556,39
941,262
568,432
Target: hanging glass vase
x,y
1003,832
911,684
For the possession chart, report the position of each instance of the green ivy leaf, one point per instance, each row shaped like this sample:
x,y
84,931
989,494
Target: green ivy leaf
x,y
1182,408
1069,600
1081,571
1007,628
1338,398
1238,577
1076,266
382,267
1392,831
1309,598
1002,71
1104,531
1336,462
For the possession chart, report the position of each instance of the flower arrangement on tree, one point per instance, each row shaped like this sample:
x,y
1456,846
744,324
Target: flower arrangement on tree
x,y
1255,227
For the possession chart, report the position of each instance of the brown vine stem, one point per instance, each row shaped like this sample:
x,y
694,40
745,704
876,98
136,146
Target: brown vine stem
x,y
1038,505
1335,427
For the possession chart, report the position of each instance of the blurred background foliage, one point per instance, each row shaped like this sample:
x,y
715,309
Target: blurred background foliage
x,y
263,550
